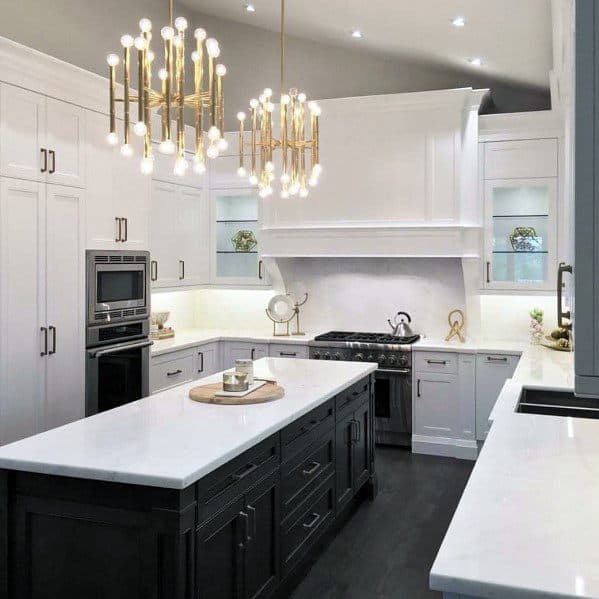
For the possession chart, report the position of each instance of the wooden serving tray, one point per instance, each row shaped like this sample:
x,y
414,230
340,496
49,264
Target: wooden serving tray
x,y
206,394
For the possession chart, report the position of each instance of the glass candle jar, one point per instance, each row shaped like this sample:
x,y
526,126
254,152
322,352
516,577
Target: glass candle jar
x,y
246,367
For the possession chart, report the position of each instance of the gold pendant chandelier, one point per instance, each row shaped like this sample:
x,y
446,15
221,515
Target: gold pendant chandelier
x,y
171,99
293,142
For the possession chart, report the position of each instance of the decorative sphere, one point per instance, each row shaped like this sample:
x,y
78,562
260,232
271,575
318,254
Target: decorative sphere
x,y
127,150
212,152
267,92
212,47
140,43
163,74
140,128
301,97
167,33
147,165
181,23
213,133
221,70
167,146
254,103
200,34
241,116
199,167
112,138
285,178
241,171
285,99
127,41
253,180
145,25
304,192
112,60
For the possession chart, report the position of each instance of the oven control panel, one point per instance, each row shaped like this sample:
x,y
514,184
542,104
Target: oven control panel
x,y
385,359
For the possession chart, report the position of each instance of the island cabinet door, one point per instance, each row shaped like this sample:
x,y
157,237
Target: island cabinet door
x,y
344,465
220,545
362,445
262,559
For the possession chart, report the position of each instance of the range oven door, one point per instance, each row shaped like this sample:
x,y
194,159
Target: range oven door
x,y
116,375
393,407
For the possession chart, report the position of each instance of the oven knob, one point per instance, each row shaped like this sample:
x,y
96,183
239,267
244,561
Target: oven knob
x,y
370,358
316,355
327,356
337,356
358,357
403,360
392,360
382,358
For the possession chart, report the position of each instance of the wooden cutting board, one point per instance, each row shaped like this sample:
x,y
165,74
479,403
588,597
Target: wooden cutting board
x,y
206,394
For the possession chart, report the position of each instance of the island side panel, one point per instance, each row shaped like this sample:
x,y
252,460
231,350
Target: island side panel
x,y
4,521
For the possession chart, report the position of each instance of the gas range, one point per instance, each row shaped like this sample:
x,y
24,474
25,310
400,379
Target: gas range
x,y
387,350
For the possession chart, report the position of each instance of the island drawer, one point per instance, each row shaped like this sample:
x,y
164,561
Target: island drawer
x,y
306,471
222,486
287,350
351,397
305,526
304,431
446,362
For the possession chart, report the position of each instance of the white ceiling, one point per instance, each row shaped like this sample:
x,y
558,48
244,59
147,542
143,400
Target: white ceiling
x,y
513,37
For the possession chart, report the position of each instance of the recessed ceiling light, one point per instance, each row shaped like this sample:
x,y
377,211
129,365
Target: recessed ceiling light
x,y
357,34
249,7
476,62
459,22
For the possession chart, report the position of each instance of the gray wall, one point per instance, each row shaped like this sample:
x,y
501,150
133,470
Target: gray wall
x,y
83,32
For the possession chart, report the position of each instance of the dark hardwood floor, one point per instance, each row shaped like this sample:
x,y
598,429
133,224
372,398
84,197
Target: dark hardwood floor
x,y
386,549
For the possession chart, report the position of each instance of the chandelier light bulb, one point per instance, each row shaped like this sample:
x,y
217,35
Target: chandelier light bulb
x,y
140,43
147,165
167,147
303,192
267,92
285,178
301,97
127,150
163,74
212,152
112,60
213,133
241,116
167,33
294,189
181,166
127,41
269,167
262,98
254,103
212,47
285,99
195,56
221,70
314,108
253,179
316,170
270,107
112,138
150,55
200,34
222,144
313,182
181,23
284,194
241,172
199,168
140,128
145,25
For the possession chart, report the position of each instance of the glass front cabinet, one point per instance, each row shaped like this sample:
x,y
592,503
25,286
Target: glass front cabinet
x,y
236,216
520,234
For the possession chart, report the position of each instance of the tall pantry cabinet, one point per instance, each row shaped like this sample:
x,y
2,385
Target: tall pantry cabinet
x,y
42,252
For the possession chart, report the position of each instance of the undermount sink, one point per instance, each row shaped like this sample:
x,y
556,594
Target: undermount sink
x,y
557,403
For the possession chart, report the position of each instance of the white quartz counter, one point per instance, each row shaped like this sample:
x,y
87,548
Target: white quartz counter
x,y
168,440
527,523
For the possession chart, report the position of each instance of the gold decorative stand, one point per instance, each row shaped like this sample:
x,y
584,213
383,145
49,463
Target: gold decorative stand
x,y
276,321
456,325
296,310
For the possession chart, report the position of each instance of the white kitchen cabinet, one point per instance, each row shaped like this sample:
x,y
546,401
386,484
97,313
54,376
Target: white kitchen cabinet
x,y
435,405
287,350
65,273
521,159
41,139
207,359
241,350
520,234
42,307
117,192
492,370
22,308
236,213
179,237
172,369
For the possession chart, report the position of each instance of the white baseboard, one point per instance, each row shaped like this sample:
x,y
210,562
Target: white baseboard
x,y
463,449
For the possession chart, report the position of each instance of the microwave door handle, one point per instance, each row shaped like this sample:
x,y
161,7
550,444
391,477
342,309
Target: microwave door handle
x,y
120,348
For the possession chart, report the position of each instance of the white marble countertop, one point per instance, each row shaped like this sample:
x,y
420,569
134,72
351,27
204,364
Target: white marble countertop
x,y
527,523
168,440
186,338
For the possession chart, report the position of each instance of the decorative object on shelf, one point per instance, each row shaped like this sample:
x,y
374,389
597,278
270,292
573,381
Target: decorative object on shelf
x,y
525,239
244,241
172,97
280,310
296,307
293,143
157,328
213,393
536,326
457,322
561,344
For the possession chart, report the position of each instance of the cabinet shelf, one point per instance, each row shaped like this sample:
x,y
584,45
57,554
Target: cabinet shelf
x,y
520,252
243,220
234,252
520,216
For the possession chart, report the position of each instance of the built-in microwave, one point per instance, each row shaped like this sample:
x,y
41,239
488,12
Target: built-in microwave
x,y
118,286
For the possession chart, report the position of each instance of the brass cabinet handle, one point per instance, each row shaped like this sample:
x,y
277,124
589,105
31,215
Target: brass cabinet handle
x,y
182,265
45,331
119,228
488,272
154,270
45,156
53,157
53,330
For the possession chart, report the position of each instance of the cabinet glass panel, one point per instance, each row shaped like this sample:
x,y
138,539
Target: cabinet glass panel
x,y
521,233
236,235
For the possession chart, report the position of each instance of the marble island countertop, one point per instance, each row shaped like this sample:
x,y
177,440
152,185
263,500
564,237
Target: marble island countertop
x,y
168,440
527,523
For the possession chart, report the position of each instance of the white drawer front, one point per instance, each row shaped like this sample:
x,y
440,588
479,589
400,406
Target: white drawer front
x,y
170,373
436,362
287,350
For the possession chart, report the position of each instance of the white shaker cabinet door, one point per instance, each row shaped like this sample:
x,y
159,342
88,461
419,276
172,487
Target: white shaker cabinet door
x,y
22,308
436,405
65,275
23,150
165,271
65,134
207,359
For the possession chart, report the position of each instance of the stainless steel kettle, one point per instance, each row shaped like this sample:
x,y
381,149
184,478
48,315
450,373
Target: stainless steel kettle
x,y
401,328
